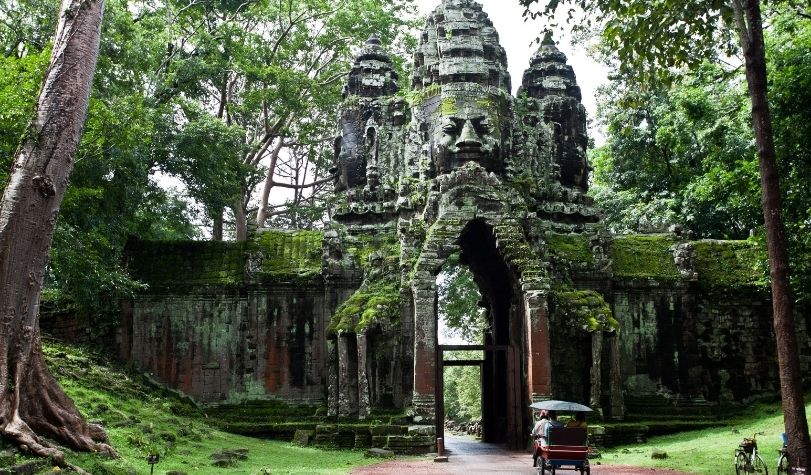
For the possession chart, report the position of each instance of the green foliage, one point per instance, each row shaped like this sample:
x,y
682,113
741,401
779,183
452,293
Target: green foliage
x,y
20,79
463,389
458,298
650,39
680,154
208,157
788,43
644,257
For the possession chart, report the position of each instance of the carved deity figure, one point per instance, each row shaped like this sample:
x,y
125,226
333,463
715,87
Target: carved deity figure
x,y
466,128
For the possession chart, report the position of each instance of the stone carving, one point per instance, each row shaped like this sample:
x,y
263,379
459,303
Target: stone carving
x,y
457,164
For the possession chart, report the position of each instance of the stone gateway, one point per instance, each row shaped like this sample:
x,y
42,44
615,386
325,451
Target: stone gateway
x,y
344,320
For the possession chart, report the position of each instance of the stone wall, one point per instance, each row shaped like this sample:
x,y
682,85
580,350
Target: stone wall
x,y
229,322
695,322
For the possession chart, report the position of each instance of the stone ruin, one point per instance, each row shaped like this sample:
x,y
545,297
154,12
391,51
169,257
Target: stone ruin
x,y
341,324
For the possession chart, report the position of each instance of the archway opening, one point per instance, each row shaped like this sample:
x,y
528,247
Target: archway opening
x,y
481,316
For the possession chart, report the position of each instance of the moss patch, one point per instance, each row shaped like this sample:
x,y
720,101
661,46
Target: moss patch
x,y
179,263
644,257
287,255
731,264
574,248
584,309
377,301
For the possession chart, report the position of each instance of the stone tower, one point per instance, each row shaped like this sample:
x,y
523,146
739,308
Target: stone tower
x,y
457,165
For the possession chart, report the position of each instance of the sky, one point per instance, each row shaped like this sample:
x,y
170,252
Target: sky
x,y
518,38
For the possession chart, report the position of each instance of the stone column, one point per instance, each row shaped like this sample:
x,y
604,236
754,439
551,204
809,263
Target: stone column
x,y
332,378
539,366
616,400
596,391
363,379
425,341
347,373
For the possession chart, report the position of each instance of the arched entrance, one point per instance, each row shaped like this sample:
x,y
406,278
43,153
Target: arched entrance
x,y
515,364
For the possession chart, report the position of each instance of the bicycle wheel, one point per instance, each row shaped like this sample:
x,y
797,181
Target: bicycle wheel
x,y
782,465
759,466
740,463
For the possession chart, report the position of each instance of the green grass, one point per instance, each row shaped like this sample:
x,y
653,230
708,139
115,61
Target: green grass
x,y
141,418
708,451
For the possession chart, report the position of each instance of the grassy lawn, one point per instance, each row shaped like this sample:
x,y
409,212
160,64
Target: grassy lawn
x,y
708,451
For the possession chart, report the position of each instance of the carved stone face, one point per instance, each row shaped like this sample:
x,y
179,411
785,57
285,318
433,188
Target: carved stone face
x,y
466,128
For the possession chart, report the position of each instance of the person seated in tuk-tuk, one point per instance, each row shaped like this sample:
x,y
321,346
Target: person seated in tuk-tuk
x,y
578,421
543,431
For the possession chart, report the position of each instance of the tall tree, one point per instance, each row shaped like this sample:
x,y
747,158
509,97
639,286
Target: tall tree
x,y
650,37
32,404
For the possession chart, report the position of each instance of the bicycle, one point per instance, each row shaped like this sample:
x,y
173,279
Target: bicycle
x,y
783,464
747,459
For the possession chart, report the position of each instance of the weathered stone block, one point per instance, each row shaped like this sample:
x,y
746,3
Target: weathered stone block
x,y
387,430
427,430
302,437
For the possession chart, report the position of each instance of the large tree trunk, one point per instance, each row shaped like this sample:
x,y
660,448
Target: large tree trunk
x,y
216,229
262,213
751,32
31,402
240,220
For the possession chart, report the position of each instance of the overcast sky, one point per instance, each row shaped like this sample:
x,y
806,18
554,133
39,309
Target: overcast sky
x,y
518,38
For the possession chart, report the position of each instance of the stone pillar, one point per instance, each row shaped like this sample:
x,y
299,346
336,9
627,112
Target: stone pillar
x,y
596,373
332,378
363,379
425,341
616,400
539,365
347,374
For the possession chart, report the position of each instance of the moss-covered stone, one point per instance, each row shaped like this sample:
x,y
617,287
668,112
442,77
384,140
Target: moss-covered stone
x,y
584,309
731,264
574,248
286,255
644,257
187,263
271,256
377,301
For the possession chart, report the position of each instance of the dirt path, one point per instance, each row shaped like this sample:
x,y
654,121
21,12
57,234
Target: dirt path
x,y
467,456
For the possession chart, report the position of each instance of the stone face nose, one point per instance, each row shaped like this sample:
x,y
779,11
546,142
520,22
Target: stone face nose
x,y
468,138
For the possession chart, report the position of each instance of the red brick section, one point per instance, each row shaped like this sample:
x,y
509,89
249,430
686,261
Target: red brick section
x,y
539,364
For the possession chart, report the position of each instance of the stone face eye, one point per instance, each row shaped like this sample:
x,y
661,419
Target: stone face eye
x,y
449,128
483,126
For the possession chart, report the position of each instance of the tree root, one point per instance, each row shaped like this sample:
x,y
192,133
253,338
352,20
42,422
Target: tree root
x,y
38,408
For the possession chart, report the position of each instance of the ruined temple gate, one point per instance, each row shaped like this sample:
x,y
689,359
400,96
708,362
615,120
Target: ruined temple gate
x,y
346,319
